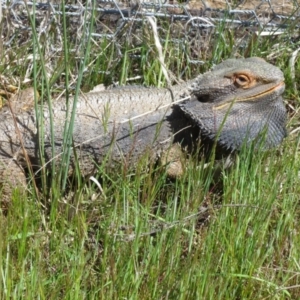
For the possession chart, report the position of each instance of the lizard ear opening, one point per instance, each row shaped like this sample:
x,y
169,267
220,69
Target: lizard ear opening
x,y
203,98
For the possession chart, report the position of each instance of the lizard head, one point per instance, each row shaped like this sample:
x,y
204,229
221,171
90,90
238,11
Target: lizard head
x,y
238,102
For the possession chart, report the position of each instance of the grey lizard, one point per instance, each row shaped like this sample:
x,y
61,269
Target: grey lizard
x,y
233,104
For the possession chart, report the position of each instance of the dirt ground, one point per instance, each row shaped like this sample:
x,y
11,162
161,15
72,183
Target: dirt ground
x,y
285,7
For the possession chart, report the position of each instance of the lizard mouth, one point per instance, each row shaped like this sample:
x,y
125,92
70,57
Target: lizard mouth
x,y
248,97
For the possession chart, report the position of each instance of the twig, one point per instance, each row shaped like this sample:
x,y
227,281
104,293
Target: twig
x,y
292,69
158,46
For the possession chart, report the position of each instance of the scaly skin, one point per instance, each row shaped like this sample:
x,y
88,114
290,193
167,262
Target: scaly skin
x,y
236,94
104,122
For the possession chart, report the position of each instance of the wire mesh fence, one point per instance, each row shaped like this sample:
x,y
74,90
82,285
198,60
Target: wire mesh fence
x,y
190,25
267,14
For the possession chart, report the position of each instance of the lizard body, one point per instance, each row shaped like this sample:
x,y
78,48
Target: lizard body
x,y
233,104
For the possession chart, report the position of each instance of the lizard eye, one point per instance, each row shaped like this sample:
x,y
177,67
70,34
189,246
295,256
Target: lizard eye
x,y
241,80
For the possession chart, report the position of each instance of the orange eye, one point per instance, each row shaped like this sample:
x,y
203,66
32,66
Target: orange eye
x,y
242,80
